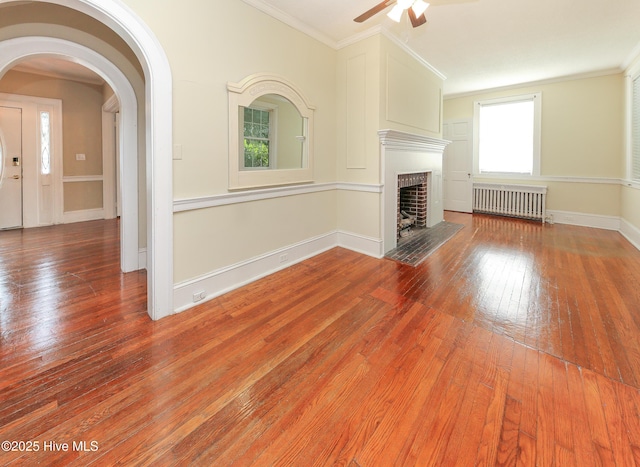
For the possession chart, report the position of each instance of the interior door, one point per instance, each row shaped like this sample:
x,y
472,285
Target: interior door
x,y
11,168
458,166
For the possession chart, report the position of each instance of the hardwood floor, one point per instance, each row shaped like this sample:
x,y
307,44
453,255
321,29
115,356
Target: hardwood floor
x,y
513,344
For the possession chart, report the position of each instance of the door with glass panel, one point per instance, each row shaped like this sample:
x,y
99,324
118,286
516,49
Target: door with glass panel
x,y
10,168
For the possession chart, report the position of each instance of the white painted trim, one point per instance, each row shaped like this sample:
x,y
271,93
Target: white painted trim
x,y
584,220
142,258
630,232
232,277
190,204
361,187
15,50
291,21
158,98
82,178
402,44
109,154
337,45
361,244
33,207
560,79
235,276
83,215
631,184
402,141
354,39
243,94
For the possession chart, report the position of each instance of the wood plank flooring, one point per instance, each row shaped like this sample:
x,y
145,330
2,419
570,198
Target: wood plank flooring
x,y
513,344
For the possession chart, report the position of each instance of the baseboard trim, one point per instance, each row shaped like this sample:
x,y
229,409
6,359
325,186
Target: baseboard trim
x,y
630,232
585,220
70,217
216,283
195,291
142,258
361,244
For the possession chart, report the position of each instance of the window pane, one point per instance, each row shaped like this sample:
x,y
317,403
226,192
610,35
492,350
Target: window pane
x,y
45,143
506,133
256,138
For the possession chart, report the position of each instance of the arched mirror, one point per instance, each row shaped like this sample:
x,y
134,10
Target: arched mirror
x,y
270,133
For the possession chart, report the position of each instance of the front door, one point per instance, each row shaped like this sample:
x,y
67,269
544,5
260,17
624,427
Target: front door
x,y
10,168
458,166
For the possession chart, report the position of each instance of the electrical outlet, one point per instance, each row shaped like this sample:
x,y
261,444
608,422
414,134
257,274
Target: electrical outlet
x,y
81,157
284,258
198,296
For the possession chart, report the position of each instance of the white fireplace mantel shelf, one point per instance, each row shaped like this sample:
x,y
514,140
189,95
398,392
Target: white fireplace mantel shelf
x,y
403,141
403,153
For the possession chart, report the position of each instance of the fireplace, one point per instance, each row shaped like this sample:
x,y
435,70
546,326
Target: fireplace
x,y
412,202
410,155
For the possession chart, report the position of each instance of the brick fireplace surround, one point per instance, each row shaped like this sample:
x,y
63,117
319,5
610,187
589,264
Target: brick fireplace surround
x,y
412,198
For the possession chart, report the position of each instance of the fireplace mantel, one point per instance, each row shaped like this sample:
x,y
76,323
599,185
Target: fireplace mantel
x,y
403,152
403,141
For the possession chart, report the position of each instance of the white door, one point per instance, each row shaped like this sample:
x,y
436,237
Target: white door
x,y
11,168
458,165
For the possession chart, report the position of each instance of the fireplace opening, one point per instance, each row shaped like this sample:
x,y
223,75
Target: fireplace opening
x,y
412,204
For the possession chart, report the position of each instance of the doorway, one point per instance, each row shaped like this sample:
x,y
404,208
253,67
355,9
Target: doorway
x,y
457,167
157,124
10,168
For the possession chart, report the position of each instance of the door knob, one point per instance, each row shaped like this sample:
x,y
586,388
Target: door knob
x,y
16,177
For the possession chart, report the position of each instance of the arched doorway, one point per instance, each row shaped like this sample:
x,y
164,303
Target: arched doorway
x,y
158,128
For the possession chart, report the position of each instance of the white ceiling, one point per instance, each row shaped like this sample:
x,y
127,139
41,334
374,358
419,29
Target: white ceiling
x,y
486,44
59,68
475,44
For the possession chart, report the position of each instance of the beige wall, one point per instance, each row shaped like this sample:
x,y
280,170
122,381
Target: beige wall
x,y
631,206
411,94
82,195
207,48
380,86
582,137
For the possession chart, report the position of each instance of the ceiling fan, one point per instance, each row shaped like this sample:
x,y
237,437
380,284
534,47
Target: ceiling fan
x,y
414,8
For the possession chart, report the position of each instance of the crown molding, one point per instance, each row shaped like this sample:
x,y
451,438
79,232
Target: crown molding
x,y
400,43
293,22
337,45
560,79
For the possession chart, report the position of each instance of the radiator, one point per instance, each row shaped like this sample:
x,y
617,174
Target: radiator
x,y
524,201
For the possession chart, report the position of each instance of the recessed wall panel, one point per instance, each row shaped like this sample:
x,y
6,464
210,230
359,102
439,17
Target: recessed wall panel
x,y
412,98
356,112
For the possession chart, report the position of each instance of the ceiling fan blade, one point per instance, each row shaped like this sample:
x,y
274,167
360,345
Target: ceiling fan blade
x,y
416,21
376,9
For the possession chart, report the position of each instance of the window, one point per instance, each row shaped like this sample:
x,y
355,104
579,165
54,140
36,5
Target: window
x,y
45,143
270,133
635,130
507,137
259,131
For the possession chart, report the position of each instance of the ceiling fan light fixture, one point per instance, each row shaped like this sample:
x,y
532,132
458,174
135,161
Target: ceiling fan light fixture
x,y
396,13
419,7
405,4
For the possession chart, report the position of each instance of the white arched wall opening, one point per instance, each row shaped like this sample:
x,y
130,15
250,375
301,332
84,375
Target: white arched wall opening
x,y
158,123
16,50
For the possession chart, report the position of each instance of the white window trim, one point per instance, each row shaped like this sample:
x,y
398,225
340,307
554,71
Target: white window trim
x,y
632,74
537,127
242,94
273,135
